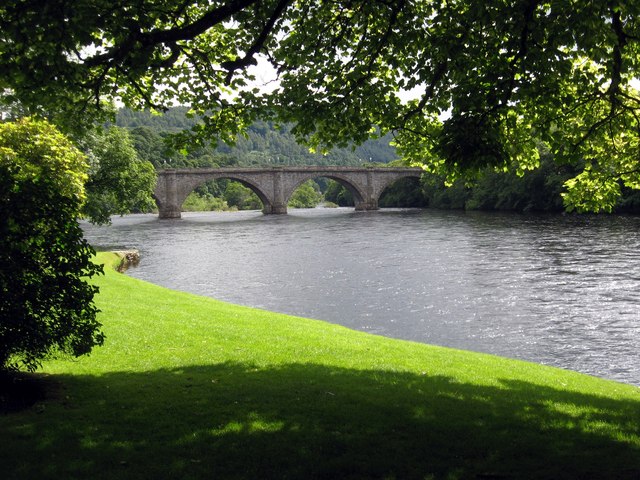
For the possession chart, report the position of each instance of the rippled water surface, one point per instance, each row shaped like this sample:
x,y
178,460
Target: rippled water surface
x,y
558,290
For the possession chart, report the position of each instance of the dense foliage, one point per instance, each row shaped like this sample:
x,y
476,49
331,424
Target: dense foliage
x,y
539,190
46,303
463,84
119,182
263,143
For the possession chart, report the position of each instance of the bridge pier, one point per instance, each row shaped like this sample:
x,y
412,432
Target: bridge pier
x,y
167,195
367,205
274,209
276,203
172,212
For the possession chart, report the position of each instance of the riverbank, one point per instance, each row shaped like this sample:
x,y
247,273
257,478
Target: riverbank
x,y
552,290
189,387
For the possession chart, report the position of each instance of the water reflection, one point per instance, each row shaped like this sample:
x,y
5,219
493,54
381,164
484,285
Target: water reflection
x,y
559,290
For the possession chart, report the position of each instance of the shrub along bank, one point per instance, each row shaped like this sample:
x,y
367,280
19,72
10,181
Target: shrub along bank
x,y
190,387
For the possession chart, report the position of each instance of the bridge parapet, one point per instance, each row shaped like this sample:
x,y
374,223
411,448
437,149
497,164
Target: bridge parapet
x,y
275,185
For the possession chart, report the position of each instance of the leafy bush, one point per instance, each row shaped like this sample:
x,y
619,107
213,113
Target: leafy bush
x,y
46,305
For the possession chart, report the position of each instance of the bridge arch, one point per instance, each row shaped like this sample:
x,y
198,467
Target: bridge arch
x,y
356,190
405,192
383,185
174,186
245,180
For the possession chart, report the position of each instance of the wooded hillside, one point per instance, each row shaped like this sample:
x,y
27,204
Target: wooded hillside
x,y
264,144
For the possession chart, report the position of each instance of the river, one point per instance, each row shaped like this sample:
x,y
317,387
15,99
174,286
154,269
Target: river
x,y
560,290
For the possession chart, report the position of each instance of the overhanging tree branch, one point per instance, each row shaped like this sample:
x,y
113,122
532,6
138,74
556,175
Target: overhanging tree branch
x,y
258,44
616,60
186,32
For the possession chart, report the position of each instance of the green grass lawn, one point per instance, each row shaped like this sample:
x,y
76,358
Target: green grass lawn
x,y
187,387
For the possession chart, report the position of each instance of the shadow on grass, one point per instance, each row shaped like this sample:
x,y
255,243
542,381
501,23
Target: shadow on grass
x,y
234,420
20,390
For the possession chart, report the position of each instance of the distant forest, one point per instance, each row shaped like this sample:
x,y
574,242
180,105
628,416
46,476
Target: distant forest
x,y
265,144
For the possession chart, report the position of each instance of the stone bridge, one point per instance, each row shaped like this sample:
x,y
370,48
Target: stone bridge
x,y
275,185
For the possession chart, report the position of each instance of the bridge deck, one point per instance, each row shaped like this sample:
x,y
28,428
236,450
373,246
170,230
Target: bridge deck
x,y
274,185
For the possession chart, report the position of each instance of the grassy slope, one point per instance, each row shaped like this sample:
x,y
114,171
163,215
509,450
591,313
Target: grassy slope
x,y
188,387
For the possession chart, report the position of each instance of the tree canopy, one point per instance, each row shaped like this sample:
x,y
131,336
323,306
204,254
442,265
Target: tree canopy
x,y
119,182
46,303
488,80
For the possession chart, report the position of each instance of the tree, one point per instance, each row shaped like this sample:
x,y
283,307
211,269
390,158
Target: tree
x,y
119,182
149,145
493,78
338,194
237,195
306,195
46,304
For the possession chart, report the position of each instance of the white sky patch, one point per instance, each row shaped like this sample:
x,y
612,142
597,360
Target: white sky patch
x,y
413,94
266,77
